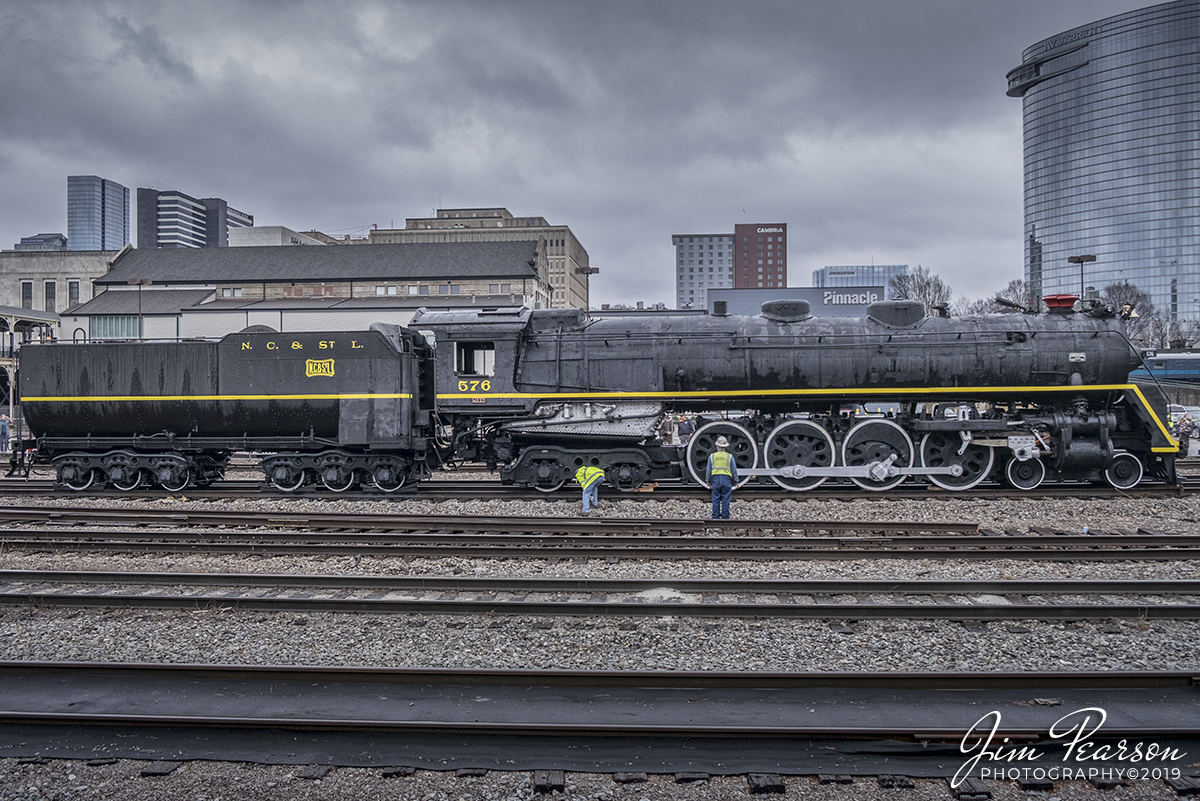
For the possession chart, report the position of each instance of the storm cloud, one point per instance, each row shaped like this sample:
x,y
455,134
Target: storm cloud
x,y
879,131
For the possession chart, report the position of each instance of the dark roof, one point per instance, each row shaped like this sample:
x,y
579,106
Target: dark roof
x,y
351,304
27,315
430,261
153,301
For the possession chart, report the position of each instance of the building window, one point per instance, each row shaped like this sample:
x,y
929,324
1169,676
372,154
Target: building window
x,y
51,296
72,293
113,327
424,289
26,294
231,292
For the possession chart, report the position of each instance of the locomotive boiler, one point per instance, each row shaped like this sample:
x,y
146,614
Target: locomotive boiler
x,y
338,409
802,399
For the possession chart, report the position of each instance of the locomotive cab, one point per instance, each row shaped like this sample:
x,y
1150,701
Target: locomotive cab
x,y
475,359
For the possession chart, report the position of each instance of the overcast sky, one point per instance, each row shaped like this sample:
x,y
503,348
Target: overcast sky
x,y
878,130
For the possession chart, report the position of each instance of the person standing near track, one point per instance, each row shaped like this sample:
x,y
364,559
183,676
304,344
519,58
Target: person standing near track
x,y
686,429
665,429
721,476
590,478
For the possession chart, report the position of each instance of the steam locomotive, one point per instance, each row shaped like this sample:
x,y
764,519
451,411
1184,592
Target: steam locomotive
x,y
538,393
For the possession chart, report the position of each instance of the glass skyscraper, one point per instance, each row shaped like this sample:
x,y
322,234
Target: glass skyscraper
x,y
1112,159
97,213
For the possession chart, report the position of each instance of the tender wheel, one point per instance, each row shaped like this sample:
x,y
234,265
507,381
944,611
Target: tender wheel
x,y
1125,471
550,487
79,480
803,443
131,480
340,481
177,482
1025,475
940,449
742,447
387,479
875,443
287,480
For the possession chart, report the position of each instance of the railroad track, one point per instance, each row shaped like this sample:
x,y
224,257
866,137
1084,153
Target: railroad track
x,y
49,529
446,524
648,543
975,600
442,490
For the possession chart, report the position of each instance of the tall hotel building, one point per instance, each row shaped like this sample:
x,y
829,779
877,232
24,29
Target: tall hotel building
x,y
175,220
754,257
97,213
1112,157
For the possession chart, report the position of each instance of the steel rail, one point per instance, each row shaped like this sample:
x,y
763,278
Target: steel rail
x,y
665,547
181,692
663,679
607,585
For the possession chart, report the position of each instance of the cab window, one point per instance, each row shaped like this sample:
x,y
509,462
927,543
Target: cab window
x,y
475,358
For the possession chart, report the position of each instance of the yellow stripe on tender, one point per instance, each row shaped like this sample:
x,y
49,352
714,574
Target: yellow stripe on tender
x,y
136,398
783,393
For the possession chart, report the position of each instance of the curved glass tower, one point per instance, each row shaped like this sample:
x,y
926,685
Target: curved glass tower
x,y
1112,156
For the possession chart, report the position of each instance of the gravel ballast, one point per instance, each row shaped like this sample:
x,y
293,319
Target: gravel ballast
x,y
616,643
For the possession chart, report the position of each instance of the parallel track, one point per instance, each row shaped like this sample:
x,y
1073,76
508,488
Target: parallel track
x,y
319,521
442,490
612,546
824,600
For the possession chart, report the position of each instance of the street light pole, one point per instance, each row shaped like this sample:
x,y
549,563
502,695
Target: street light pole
x,y
1081,260
139,283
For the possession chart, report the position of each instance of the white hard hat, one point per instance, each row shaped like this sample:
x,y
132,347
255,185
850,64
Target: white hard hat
x,y
722,442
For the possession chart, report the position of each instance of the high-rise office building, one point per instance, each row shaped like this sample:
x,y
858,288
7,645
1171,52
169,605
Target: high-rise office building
x,y
1111,110
173,219
97,213
753,257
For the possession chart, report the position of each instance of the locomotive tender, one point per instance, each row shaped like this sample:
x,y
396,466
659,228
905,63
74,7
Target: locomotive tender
x,y
338,408
537,393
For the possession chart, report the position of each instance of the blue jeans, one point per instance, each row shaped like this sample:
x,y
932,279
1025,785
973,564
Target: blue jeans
x,y
591,494
722,488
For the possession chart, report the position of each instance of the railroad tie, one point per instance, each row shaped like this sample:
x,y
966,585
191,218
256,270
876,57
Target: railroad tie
x,y
549,781
760,783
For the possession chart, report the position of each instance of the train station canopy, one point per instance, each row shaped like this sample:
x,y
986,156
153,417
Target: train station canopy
x,y
16,319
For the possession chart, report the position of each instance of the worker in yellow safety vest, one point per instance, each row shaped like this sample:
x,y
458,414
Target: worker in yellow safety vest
x,y
721,477
590,478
